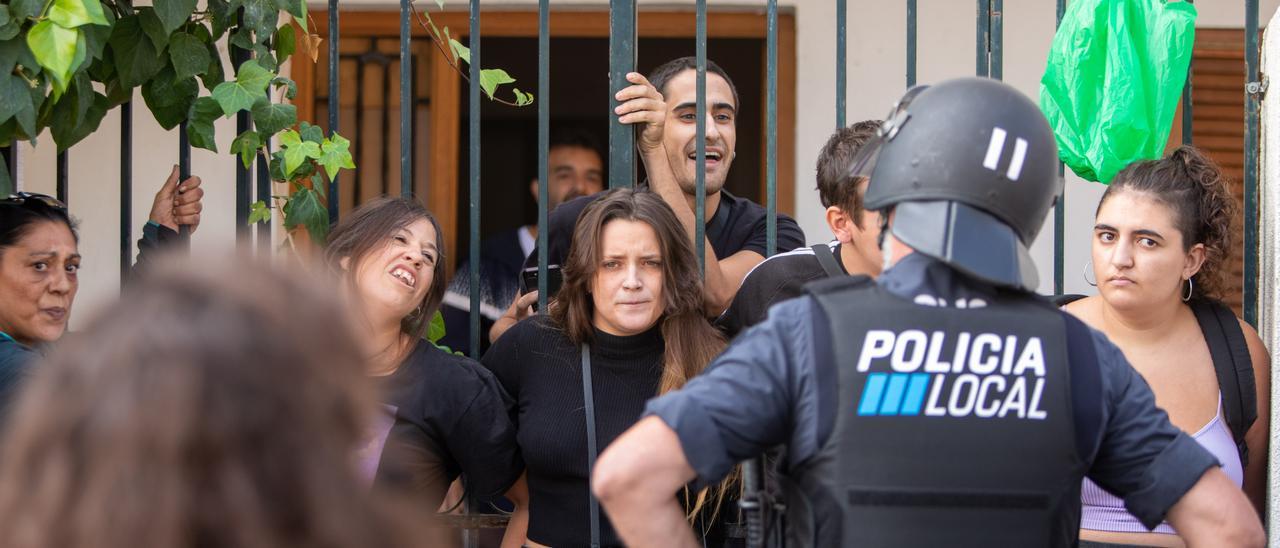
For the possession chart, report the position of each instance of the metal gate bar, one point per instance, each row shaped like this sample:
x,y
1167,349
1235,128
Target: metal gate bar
x,y
1253,91
544,143
473,91
334,105
126,191
700,180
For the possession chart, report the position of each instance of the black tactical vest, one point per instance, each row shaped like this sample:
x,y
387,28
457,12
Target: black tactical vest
x,y
954,426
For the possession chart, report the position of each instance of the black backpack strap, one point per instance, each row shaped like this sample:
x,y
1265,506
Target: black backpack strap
x,y
827,259
1064,300
1234,368
1086,382
589,400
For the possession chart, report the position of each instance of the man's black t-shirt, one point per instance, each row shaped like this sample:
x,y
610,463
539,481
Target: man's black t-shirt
x,y
451,418
777,279
738,224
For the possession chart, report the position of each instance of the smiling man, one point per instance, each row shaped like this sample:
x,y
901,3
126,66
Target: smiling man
x,y
665,105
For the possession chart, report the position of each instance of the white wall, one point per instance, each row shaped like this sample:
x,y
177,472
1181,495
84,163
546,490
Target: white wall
x,y
876,77
946,30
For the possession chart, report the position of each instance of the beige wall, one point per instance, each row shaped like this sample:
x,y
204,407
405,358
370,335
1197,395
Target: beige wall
x,y
876,64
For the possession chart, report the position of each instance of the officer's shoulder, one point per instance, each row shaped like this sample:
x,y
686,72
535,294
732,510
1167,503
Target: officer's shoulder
x,y
838,284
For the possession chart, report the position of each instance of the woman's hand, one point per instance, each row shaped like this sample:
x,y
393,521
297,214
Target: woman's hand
x,y
642,104
521,308
178,203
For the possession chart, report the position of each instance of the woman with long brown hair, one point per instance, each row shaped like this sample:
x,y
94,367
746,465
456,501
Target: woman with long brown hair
x,y
444,416
215,407
627,325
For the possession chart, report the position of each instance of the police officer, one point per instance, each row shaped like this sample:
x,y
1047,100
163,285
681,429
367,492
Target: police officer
x,y
943,404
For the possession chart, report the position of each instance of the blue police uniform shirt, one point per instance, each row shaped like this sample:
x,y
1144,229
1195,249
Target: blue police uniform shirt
x,y
776,384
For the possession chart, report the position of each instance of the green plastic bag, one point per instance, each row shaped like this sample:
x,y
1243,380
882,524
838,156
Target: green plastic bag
x,y
1113,80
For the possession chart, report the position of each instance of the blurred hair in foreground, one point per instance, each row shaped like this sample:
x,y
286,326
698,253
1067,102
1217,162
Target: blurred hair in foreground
x,y
217,404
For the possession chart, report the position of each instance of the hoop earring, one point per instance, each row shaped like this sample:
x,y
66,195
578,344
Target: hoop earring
x,y
1088,265
1190,290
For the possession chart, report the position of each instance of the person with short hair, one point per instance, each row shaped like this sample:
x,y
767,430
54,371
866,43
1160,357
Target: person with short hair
x,y
943,403
664,106
1161,238
444,416
854,251
575,168
215,405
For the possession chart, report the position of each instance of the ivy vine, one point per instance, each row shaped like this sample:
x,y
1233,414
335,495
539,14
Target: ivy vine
x,y
65,63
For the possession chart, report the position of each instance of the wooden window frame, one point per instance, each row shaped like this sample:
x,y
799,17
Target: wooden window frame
x,y
442,172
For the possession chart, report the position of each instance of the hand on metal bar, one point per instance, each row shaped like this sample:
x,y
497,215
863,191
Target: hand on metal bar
x,y
521,308
642,104
178,204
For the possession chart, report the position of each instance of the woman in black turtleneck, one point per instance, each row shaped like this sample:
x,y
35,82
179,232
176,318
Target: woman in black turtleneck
x,y
632,297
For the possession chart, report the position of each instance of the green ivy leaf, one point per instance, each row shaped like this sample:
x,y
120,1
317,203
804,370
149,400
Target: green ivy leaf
x,y
96,36
522,98
250,84
460,51
15,96
117,94
189,56
154,28
23,9
262,54
246,145
304,209
173,13
296,8
282,81
270,117
295,156
335,154
16,52
137,59
319,186
259,212
435,330
220,17
490,79
6,184
261,16
243,38
213,75
285,42
66,135
80,93
73,13
204,112
55,49
311,133
170,98
9,26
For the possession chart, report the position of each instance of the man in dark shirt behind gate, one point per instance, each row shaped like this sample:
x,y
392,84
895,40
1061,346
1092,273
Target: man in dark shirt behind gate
x,y
943,404
735,227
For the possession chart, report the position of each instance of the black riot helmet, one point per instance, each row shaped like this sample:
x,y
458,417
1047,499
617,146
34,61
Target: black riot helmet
x,y
969,167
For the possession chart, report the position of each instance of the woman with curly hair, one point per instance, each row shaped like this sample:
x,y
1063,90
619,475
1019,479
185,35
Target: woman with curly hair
x,y
627,325
1161,238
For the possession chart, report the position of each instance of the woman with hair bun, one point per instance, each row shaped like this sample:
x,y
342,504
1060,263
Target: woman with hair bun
x,y
1162,234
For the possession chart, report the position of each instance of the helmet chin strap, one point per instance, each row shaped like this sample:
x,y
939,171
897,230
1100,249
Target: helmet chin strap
x,y
886,257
